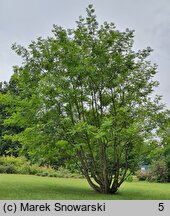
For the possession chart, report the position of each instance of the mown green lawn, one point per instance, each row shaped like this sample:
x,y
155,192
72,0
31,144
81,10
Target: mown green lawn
x,y
27,187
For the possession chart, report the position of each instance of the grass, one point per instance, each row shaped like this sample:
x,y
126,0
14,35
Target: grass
x,y
27,187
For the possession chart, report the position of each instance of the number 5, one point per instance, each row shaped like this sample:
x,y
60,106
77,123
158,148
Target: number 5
x,y
161,207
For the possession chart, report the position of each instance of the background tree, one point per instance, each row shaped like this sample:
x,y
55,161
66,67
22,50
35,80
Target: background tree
x,y
164,135
7,147
86,94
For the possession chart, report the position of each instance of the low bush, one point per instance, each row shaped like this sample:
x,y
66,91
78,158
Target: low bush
x,y
129,178
7,169
35,169
20,165
159,171
61,172
142,176
11,165
44,174
2,169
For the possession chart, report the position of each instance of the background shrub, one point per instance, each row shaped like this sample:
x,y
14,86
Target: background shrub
x,y
11,165
129,178
7,169
142,176
20,165
159,171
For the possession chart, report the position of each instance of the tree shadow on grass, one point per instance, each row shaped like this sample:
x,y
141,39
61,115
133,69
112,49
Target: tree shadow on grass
x,y
43,188
58,192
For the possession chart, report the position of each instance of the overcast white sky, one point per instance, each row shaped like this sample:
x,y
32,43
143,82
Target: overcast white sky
x,y
24,20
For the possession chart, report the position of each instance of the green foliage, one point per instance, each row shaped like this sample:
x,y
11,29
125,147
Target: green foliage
x,y
159,171
61,172
142,176
7,147
35,169
164,134
7,169
129,178
14,165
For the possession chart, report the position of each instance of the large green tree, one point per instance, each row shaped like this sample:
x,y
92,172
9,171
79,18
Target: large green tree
x,y
6,146
86,94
